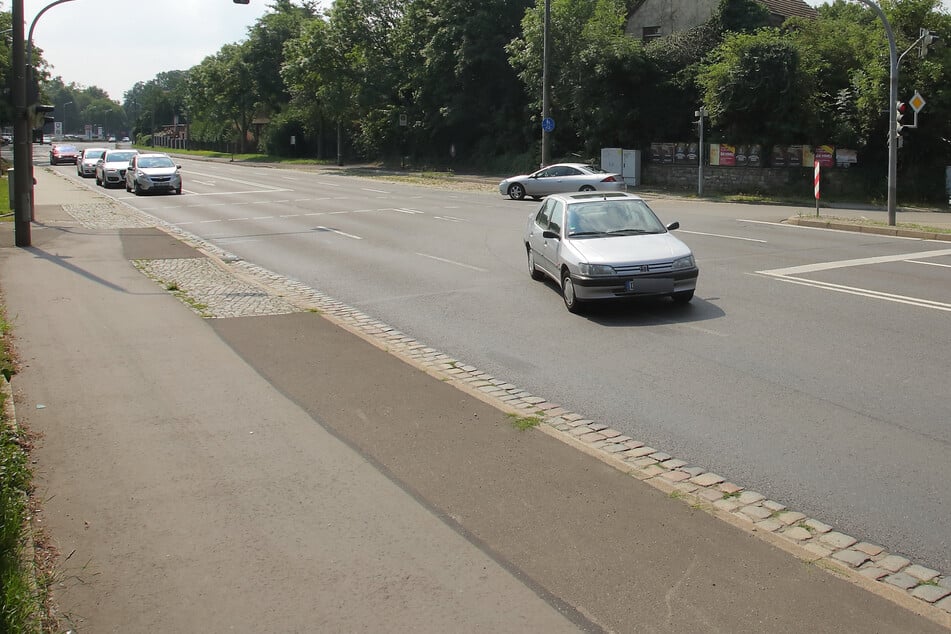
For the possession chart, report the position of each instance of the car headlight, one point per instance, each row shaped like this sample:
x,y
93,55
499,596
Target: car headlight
x,y
684,263
594,270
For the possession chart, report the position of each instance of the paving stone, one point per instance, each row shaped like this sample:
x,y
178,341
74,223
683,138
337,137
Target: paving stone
x,y
798,533
578,422
622,438
769,525
944,604
774,506
751,497
755,512
852,557
707,479
660,456
790,517
837,540
634,444
610,433
945,582
730,488
901,580
640,451
674,464
873,572
614,448
598,426
726,504
675,476
930,593
817,526
642,462
686,487
563,427
817,549
921,573
573,417
869,549
693,471
591,437
652,471
710,495
892,563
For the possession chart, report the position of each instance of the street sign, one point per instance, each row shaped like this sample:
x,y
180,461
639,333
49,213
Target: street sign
x,y
917,102
548,124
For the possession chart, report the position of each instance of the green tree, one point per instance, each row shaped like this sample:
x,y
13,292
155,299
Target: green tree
x,y
221,96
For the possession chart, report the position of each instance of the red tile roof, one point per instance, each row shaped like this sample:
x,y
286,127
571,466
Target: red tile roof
x,y
790,8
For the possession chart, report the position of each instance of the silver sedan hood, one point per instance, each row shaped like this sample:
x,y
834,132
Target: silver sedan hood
x,y
660,247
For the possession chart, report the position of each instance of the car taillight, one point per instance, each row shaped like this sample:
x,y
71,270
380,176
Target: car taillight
x,y
609,179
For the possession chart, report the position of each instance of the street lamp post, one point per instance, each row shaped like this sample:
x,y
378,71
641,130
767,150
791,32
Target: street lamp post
x,y
546,141
68,103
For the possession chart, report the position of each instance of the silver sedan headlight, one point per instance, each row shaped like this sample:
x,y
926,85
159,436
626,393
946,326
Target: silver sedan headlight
x,y
684,263
596,270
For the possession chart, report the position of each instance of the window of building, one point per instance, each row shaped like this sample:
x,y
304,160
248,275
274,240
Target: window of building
x,y
649,33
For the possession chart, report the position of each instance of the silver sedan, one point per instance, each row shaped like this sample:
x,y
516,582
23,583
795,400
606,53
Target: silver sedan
x,y
607,246
561,177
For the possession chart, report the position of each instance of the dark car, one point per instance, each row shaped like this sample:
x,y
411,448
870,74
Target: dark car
x,y
64,154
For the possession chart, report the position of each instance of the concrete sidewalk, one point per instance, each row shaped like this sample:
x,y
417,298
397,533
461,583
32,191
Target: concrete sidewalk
x,y
281,466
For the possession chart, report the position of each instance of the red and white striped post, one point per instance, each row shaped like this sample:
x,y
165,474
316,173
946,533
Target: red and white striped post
x,y
816,183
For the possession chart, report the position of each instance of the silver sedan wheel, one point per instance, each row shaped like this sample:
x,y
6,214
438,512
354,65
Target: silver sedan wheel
x,y
516,191
568,293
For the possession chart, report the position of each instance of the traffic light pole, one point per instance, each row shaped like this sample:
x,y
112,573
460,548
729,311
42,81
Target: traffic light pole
x,y
892,112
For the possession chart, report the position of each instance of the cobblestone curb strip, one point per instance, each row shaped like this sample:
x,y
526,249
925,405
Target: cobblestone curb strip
x,y
226,286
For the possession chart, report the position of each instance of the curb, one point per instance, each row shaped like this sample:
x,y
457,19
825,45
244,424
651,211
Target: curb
x,y
873,229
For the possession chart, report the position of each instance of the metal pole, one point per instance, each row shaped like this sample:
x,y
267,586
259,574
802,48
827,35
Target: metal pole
x,y
546,141
702,113
22,151
892,110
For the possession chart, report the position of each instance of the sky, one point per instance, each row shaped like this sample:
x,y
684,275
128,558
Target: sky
x,y
113,44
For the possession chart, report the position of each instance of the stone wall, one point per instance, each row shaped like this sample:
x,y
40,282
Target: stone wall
x,y
790,181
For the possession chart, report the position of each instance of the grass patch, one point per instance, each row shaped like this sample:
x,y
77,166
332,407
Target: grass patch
x,y
21,600
523,423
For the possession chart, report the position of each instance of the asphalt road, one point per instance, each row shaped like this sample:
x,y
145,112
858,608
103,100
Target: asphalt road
x,y
811,366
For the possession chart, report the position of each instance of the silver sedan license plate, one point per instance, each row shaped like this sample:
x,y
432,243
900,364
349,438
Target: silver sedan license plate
x,y
650,285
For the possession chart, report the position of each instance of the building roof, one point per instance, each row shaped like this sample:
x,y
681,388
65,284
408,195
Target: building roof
x,y
790,8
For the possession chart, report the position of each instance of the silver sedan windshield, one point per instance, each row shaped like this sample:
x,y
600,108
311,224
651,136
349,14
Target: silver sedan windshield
x,y
604,217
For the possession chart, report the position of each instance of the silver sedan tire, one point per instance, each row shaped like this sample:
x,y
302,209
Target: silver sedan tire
x,y
572,303
516,191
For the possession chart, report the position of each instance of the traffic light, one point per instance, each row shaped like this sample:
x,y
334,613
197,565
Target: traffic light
x,y
900,108
927,39
40,115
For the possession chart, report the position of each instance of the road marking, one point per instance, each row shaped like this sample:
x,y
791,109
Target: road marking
x,y
251,191
348,235
719,235
375,191
861,292
406,211
465,266
209,183
841,264
449,218
238,180
807,228
929,263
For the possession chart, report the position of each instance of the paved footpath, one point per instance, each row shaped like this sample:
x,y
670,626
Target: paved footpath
x,y
222,449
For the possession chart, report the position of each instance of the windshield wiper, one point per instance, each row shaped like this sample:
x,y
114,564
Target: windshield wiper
x,y
626,231
585,233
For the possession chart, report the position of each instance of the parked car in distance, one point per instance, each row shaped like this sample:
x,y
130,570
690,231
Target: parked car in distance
x,y
125,139
607,246
111,167
153,172
561,177
63,154
86,163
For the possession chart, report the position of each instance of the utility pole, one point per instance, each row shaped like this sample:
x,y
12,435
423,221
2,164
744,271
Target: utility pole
x,y
546,37
22,150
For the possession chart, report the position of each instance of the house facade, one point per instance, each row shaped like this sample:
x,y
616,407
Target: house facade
x,y
651,19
